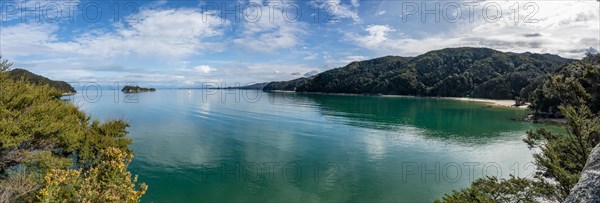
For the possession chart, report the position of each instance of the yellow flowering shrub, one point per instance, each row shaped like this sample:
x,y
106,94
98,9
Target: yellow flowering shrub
x,y
108,181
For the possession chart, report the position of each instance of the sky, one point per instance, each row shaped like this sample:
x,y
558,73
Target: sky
x,y
188,43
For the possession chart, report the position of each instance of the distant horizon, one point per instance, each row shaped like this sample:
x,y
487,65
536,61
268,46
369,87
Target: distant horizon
x,y
207,85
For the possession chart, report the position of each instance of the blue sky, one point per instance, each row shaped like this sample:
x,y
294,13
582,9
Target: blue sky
x,y
187,43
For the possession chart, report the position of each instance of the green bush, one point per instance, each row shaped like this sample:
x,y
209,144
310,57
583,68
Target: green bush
x,y
44,139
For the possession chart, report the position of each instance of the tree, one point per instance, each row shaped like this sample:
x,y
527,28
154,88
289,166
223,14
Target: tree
x,y
575,84
49,145
4,65
490,189
563,157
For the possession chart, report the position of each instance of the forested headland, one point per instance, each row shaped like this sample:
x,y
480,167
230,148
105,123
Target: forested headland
x,y
17,74
458,72
50,151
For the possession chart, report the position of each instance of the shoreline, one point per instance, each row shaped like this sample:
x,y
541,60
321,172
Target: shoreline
x,y
495,102
492,102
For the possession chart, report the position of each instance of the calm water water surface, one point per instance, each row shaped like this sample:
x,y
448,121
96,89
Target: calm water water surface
x,y
203,146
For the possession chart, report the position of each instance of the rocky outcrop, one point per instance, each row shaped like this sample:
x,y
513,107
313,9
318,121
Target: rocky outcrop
x,y
588,187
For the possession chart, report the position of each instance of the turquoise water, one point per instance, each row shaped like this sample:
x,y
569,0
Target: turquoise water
x,y
204,146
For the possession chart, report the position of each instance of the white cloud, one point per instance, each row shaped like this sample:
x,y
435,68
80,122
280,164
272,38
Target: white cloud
x,y
268,33
355,58
568,33
25,39
204,69
311,56
355,3
38,10
377,34
337,10
171,32
339,60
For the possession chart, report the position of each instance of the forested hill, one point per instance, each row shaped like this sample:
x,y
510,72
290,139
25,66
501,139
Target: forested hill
x,y
451,72
18,74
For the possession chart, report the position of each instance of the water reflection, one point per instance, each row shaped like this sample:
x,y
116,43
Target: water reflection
x,y
443,118
205,147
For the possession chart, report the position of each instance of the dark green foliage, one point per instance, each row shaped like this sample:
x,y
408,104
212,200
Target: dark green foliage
x,y
454,72
563,157
592,59
574,84
135,89
559,164
18,74
490,189
285,86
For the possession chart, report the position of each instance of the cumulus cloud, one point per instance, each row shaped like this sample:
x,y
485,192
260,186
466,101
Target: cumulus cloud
x,y
337,10
204,69
568,33
27,39
268,33
169,32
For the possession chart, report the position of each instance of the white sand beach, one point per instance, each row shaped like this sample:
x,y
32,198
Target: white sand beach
x,y
495,102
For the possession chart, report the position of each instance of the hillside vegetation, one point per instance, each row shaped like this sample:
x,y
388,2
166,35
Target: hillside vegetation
x,y
18,74
576,83
452,72
50,151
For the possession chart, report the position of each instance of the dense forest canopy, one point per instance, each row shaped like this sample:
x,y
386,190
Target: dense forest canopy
x,y
18,74
451,72
576,83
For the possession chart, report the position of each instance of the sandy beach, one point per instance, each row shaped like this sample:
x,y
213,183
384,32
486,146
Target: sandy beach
x,y
495,102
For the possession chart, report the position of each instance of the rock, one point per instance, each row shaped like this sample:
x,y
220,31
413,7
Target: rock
x,y
588,187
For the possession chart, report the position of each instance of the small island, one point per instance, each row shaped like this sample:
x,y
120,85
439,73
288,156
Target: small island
x,y
136,89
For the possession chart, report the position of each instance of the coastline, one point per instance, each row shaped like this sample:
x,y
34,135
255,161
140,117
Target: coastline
x,y
492,102
495,102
